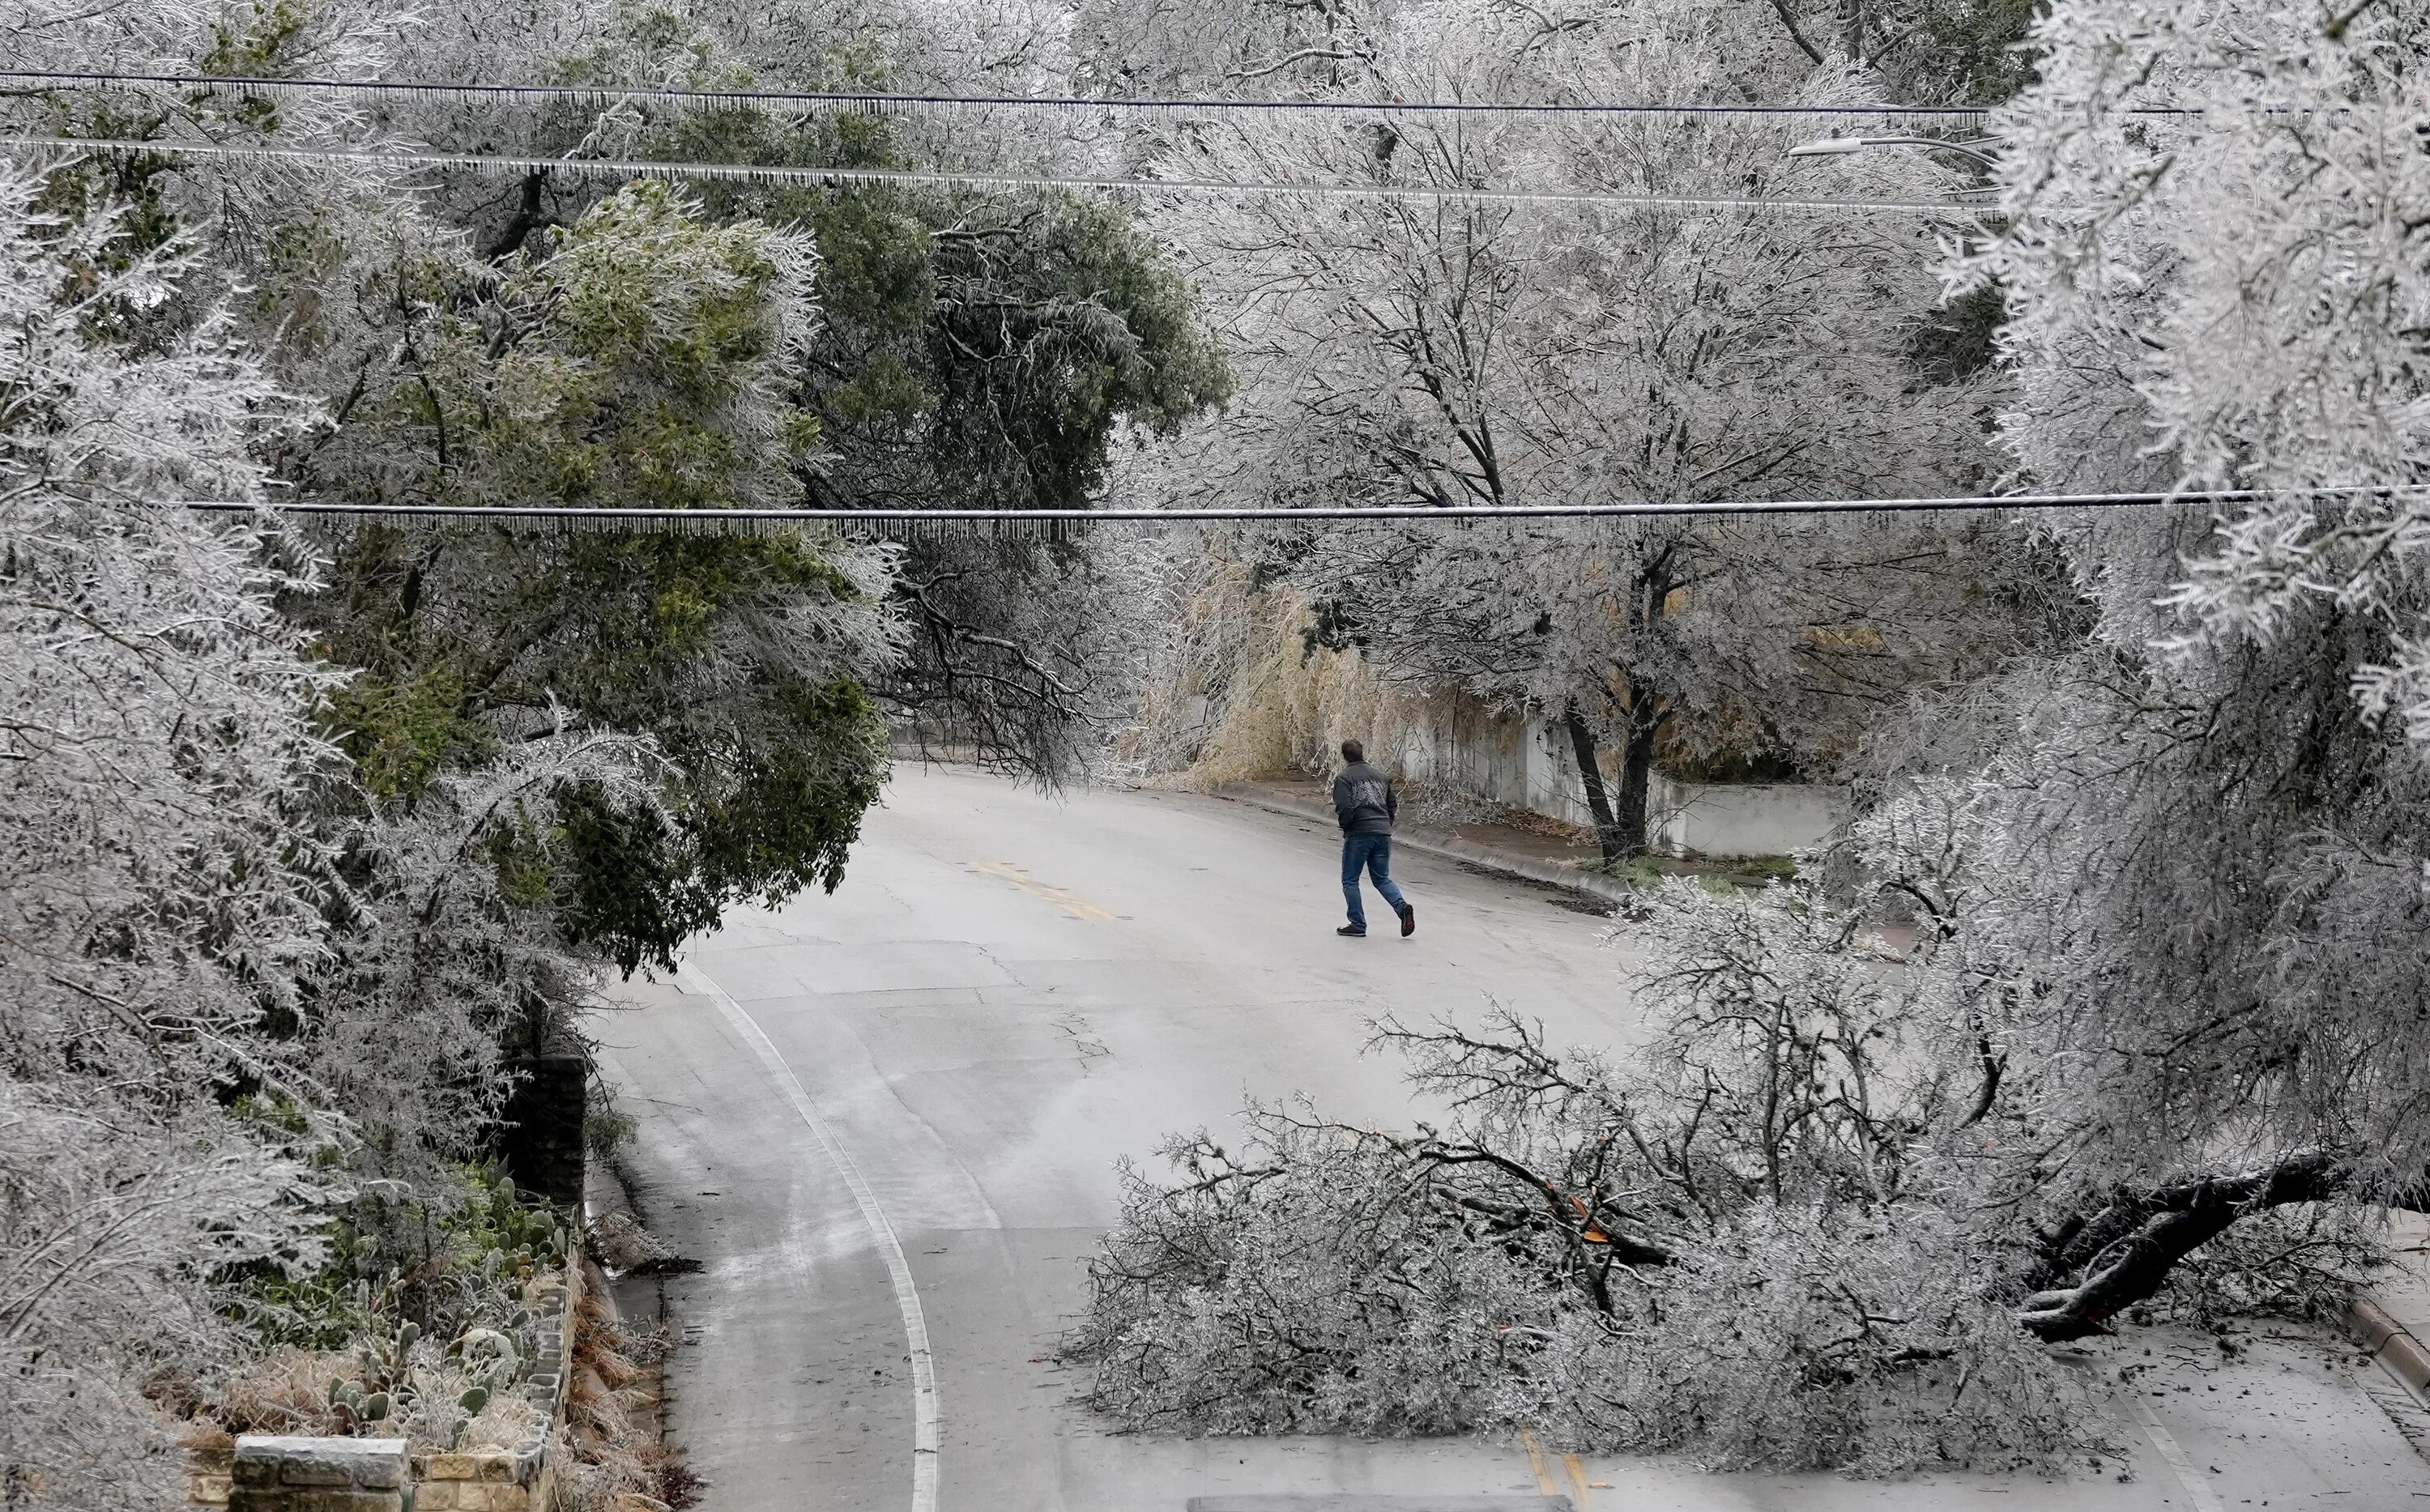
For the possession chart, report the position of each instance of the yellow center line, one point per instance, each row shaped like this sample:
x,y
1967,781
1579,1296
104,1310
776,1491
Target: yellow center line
x,y
1536,1462
1577,1480
1072,907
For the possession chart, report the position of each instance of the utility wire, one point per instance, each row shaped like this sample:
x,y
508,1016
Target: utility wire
x,y
923,521
812,178
593,96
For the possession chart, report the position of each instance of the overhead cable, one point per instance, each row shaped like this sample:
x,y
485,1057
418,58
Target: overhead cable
x,y
1060,521
788,176
819,102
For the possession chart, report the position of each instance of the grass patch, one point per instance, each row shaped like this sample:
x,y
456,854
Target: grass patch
x,y
1732,876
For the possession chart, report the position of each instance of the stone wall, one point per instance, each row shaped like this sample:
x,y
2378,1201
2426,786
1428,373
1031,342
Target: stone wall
x,y
542,1131
269,1473
272,1474
517,1479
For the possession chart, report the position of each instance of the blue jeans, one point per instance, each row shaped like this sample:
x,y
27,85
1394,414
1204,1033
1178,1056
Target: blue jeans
x,y
1372,854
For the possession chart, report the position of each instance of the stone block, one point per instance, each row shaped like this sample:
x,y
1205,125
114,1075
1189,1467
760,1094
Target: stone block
x,y
209,1489
508,1498
434,1496
308,1473
497,1465
383,1473
453,1468
258,1470
294,1473
342,1467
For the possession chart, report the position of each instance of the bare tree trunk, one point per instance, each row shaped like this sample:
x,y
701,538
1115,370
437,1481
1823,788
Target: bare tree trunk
x,y
1649,602
1609,834
527,219
1637,780
2124,1254
1623,827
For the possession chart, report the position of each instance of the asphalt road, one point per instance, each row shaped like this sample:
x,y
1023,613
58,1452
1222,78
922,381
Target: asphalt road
x,y
886,1122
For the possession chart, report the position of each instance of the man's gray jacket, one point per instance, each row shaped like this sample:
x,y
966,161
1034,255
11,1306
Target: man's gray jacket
x,y
1363,801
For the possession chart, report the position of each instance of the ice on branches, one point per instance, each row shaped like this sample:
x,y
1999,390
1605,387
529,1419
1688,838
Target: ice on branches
x,y
2214,267
1737,1244
162,893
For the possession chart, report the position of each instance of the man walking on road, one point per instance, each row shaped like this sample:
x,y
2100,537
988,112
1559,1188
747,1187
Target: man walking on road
x,y
1365,806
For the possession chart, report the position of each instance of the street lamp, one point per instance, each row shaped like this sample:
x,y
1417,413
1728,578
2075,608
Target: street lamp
x,y
1843,146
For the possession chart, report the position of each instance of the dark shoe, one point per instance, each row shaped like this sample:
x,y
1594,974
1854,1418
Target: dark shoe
x,y
1353,931
1409,920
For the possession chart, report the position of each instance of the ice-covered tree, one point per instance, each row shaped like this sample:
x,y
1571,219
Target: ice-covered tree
x,y
1423,353
974,347
1734,1242
161,886
2148,1043
2218,282
979,346
2195,849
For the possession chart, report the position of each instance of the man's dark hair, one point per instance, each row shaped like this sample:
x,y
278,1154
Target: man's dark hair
x,y
1353,751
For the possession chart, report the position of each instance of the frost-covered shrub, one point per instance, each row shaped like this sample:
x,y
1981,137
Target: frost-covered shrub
x,y
1750,1243
1313,1282
158,885
1855,1340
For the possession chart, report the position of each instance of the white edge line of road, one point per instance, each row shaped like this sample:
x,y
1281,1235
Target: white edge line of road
x,y
898,1268
2196,1485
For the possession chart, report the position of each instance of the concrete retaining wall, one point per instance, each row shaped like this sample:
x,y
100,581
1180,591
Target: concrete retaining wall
x,y
1526,762
1745,819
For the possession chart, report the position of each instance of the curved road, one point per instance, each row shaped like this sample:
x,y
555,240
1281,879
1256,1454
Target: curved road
x,y
894,1112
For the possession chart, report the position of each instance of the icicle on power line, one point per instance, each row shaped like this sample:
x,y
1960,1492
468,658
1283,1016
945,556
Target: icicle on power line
x,y
1054,523
376,91
786,175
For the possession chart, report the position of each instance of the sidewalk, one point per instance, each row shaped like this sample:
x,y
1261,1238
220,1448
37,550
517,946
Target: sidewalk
x,y
1552,859
2392,1322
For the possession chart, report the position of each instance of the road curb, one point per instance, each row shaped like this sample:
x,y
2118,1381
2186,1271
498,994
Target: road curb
x,y
2392,1344
1567,878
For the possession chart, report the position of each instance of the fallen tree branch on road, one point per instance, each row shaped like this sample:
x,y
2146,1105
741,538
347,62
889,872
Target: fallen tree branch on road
x,y
2126,1253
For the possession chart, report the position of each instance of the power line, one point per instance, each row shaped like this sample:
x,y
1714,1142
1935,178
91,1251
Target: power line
x,y
785,175
593,96
1060,521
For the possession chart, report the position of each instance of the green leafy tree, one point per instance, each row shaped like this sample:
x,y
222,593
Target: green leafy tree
x,y
990,354
642,358
974,349
977,349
